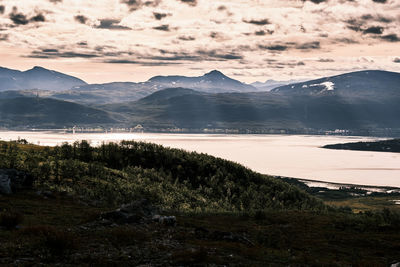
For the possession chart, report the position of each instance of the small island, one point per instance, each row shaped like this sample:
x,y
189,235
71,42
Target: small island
x,y
392,145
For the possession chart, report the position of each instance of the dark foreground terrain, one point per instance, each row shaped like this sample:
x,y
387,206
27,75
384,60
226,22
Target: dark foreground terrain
x,y
144,204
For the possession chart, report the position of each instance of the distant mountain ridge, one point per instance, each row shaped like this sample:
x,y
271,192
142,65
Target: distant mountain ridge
x,y
327,103
211,82
271,84
46,112
117,92
36,78
357,100
359,83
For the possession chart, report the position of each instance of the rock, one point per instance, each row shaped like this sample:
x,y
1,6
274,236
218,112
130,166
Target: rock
x,y
134,212
12,180
165,220
45,194
201,232
5,184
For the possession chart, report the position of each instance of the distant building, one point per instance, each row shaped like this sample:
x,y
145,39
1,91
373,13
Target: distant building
x,y
138,129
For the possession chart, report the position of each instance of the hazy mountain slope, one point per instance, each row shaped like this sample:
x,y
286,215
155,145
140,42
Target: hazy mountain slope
x,y
370,83
107,93
212,82
36,78
117,92
24,111
271,84
341,108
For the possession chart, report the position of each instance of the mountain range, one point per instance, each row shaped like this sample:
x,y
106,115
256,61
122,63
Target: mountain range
x,y
271,84
36,78
47,83
354,101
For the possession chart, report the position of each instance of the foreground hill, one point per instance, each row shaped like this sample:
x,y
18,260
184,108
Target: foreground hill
x,y
181,209
45,112
36,78
172,178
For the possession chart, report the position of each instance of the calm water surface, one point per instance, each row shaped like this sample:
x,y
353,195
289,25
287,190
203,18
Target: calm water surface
x,y
297,156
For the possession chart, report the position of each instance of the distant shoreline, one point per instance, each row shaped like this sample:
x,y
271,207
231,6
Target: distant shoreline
x,y
392,145
334,185
100,130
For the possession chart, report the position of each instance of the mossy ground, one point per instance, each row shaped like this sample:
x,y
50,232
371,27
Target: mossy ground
x,y
58,230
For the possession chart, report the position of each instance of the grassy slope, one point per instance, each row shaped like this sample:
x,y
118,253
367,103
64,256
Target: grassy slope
x,y
58,229
277,237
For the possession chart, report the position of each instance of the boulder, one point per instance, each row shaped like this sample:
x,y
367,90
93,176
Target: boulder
x,y
134,212
165,220
12,180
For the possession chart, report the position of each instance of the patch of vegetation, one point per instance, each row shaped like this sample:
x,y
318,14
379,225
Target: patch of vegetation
x,y
10,219
172,178
225,213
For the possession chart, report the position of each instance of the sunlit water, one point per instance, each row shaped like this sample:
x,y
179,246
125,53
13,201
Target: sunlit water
x,y
285,155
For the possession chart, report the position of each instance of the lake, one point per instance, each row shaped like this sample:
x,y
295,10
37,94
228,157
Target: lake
x,y
298,156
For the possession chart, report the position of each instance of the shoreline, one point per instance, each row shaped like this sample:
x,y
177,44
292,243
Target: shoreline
x,y
337,186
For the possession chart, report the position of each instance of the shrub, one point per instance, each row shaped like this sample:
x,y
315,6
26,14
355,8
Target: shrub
x,y
10,219
57,241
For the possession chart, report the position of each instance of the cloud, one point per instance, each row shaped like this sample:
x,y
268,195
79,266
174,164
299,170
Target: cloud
x,y
222,8
309,45
38,18
384,19
189,2
81,19
18,18
141,63
260,22
346,40
111,24
3,37
207,34
164,27
219,54
396,60
137,4
275,47
56,53
374,30
159,16
316,1
391,37
326,60
186,38
262,32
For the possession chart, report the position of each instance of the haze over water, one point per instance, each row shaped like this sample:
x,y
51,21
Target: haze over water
x,y
296,156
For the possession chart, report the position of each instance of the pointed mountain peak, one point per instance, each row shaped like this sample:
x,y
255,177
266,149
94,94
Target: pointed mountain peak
x,y
215,73
38,68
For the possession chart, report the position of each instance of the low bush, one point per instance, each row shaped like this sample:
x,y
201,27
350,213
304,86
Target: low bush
x,y
10,220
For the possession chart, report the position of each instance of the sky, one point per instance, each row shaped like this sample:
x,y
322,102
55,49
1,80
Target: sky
x,y
250,40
